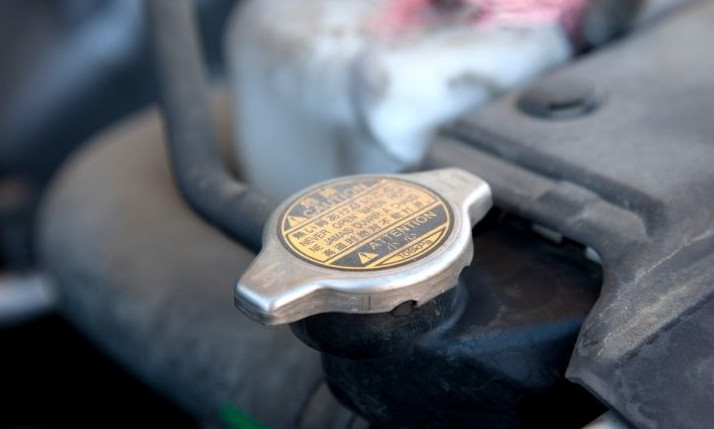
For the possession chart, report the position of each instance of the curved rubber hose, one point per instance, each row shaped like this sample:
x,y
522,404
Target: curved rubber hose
x,y
237,210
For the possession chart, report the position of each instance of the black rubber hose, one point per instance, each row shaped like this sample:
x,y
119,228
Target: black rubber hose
x,y
237,210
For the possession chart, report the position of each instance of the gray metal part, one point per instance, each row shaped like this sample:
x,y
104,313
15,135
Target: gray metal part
x,y
24,298
634,181
151,284
279,288
608,420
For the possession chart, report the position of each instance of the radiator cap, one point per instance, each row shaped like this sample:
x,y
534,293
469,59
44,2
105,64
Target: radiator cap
x,y
364,244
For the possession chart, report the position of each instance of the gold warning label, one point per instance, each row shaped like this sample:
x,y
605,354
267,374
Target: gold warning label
x,y
365,224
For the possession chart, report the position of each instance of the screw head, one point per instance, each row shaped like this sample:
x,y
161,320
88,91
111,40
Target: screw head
x,y
560,98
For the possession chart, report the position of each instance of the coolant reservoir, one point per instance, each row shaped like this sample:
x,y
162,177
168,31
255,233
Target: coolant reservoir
x,y
325,88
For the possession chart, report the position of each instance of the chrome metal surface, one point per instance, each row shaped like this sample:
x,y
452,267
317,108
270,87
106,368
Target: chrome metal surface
x,y
279,287
24,297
